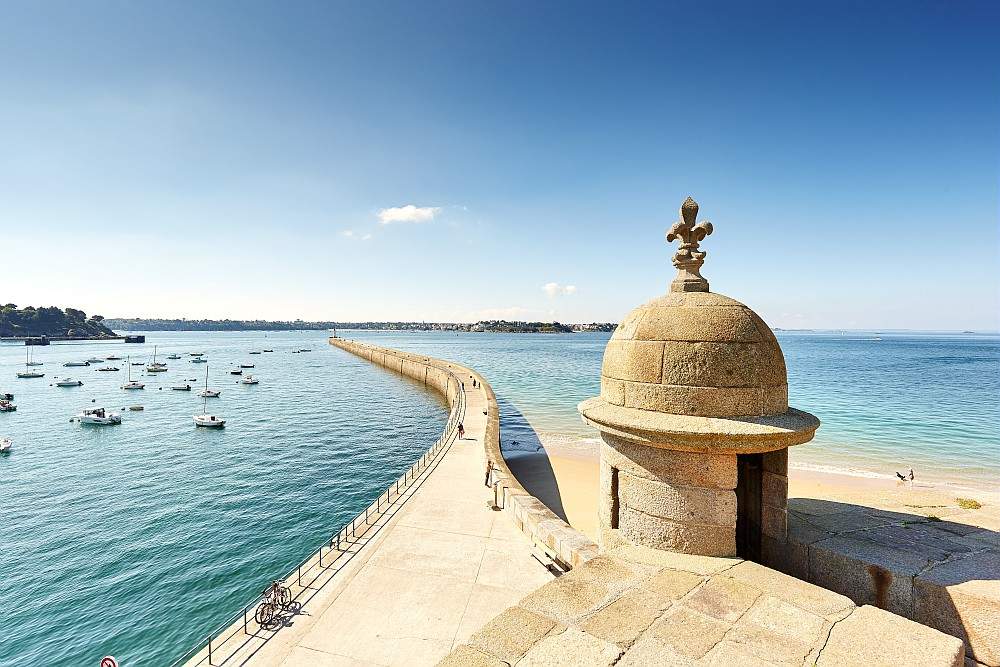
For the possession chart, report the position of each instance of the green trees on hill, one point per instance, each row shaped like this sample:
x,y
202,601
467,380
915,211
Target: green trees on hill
x,y
50,321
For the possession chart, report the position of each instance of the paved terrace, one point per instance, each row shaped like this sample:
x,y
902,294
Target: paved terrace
x,y
430,570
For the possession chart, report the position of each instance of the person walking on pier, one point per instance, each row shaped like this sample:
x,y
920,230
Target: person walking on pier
x,y
461,431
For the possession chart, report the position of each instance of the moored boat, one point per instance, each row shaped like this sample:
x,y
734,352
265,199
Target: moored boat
x,y
130,383
206,392
28,373
95,360
249,379
69,382
7,406
181,387
199,360
107,369
98,417
5,445
246,365
173,356
74,364
236,371
209,421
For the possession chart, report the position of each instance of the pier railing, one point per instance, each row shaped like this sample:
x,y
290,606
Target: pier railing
x,y
338,545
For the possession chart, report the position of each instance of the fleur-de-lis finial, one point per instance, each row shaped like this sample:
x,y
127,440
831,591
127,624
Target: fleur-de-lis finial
x,y
688,258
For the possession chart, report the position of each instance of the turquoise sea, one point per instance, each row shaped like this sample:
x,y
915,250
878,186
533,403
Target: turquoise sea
x,y
136,540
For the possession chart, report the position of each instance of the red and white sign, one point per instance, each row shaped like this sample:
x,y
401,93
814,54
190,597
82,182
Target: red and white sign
x,y
109,661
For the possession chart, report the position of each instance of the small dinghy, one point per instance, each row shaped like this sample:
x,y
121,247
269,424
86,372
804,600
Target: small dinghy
x,y
255,353
109,369
98,417
5,445
69,382
181,387
173,356
246,365
250,380
113,357
236,371
135,408
197,354
269,350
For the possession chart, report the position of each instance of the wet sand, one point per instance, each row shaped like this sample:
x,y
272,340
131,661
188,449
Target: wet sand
x,y
566,479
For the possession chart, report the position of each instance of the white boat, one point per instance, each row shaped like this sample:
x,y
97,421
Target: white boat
x,y
155,367
132,384
31,360
250,380
69,382
98,417
181,387
74,364
95,360
107,369
206,392
26,373
199,360
207,420
5,445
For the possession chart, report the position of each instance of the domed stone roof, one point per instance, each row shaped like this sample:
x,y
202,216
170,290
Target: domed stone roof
x,y
696,370
695,353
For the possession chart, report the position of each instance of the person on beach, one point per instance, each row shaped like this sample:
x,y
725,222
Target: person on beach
x,y
461,431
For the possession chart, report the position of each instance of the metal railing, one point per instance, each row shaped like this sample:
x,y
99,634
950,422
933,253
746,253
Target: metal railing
x,y
394,492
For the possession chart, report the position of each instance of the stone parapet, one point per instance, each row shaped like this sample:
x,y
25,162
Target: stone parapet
x,y
942,574
563,543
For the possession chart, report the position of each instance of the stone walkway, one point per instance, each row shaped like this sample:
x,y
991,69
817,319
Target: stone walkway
x,y
433,573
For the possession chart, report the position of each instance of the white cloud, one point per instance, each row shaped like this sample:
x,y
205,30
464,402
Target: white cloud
x,y
555,289
408,213
351,234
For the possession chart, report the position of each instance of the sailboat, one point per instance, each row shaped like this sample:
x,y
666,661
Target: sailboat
x,y
156,367
31,360
132,384
28,373
206,392
207,420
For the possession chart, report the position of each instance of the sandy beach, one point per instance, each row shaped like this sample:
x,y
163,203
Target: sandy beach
x,y
565,477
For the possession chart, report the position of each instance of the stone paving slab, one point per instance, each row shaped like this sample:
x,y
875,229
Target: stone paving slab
x,y
637,607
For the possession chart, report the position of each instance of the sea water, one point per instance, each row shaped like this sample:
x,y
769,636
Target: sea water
x,y
137,540
887,401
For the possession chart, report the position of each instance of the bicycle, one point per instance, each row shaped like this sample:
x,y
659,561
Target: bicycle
x,y
276,598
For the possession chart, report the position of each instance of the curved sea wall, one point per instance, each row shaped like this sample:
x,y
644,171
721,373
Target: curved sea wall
x,y
561,542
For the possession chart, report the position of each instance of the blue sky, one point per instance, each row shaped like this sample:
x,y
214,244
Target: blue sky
x,y
246,159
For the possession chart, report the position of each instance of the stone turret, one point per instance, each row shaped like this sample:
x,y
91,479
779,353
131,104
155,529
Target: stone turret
x,y
694,418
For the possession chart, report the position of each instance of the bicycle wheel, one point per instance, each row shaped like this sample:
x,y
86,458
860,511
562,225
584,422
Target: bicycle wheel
x,y
283,597
264,614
